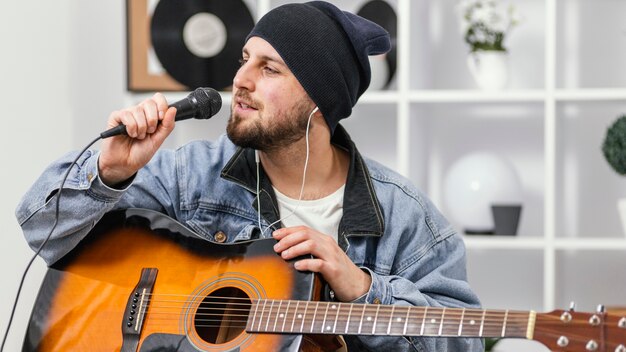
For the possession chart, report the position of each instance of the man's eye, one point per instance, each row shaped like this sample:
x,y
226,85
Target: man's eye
x,y
270,70
242,61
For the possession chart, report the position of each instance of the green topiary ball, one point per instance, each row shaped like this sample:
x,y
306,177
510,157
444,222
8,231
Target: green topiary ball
x,y
614,146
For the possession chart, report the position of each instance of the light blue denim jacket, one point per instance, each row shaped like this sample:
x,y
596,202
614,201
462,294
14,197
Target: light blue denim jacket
x,y
388,227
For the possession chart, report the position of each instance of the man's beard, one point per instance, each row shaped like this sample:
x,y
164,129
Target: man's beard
x,y
279,131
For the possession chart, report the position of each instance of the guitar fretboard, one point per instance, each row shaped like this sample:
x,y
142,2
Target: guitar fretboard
x,y
305,317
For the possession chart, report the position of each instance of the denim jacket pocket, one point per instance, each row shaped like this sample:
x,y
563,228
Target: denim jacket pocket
x,y
222,225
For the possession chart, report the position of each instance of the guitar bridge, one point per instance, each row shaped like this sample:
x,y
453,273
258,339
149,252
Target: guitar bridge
x,y
136,308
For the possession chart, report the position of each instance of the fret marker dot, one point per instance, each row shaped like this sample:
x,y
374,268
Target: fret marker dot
x,y
472,322
399,320
299,316
369,318
328,328
432,321
333,306
281,315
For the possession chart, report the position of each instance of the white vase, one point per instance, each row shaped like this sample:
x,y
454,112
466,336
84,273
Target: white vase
x,y
621,209
490,68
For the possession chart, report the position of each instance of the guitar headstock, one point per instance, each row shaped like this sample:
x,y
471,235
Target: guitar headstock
x,y
568,330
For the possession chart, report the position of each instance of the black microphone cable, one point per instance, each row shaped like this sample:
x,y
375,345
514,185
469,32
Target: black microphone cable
x,y
56,221
202,103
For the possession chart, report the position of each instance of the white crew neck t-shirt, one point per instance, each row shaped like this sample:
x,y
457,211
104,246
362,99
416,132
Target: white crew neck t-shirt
x,y
321,214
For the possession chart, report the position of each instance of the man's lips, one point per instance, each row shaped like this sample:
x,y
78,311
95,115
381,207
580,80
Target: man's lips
x,y
244,105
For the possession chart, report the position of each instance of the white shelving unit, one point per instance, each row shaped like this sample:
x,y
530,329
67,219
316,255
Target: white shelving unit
x,y
545,104
567,85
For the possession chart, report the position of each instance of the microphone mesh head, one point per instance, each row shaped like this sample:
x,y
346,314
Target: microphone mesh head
x,y
209,102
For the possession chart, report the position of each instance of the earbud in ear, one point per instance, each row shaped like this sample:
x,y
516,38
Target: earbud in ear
x,y
315,110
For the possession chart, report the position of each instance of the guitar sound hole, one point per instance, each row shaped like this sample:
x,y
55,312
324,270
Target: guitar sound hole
x,y
222,315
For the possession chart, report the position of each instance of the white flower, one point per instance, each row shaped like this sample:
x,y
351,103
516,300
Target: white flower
x,y
485,23
481,14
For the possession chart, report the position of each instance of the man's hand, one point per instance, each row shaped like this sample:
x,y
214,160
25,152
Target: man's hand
x,y
346,279
147,125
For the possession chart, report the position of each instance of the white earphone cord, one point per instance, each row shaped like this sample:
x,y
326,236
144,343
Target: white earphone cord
x,y
306,164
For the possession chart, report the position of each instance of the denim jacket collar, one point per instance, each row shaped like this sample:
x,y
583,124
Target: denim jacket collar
x,y
362,214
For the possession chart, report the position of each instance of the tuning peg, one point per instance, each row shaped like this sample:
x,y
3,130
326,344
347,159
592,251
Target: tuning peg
x,y
596,319
572,306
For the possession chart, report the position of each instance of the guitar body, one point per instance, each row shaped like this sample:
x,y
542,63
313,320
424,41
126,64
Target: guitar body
x,y
83,304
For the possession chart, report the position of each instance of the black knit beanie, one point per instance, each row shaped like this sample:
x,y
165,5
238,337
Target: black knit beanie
x,y
327,50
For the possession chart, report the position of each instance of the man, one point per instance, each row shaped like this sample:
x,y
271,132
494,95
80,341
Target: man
x,y
373,237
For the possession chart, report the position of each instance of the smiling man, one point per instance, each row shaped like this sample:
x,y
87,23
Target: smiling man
x,y
287,169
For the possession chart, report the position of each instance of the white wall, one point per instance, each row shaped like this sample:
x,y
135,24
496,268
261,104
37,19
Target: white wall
x,y
61,72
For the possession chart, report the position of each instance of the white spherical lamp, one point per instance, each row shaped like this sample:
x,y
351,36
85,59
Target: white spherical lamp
x,y
476,182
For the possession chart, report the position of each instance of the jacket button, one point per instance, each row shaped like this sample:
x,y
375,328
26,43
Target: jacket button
x,y
220,237
376,300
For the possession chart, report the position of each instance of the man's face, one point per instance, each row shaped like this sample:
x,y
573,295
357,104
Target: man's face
x,y
270,109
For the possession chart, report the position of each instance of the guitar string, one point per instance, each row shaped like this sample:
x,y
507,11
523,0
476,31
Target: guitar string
x,y
452,331
497,321
309,319
412,330
520,316
317,328
487,323
488,329
433,312
513,331
450,311
491,318
381,313
308,322
249,302
382,328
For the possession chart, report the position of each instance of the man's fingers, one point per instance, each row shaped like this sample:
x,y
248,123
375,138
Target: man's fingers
x,y
301,248
127,119
166,126
161,103
313,264
141,121
286,231
150,111
291,239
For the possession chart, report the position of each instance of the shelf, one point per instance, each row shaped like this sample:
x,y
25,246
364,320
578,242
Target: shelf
x,y
474,96
531,95
377,96
591,243
501,242
456,95
590,94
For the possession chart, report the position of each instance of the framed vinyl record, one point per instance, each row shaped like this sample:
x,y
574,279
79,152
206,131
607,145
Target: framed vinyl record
x,y
179,45
381,13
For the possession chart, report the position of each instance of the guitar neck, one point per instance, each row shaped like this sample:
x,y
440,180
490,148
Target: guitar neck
x,y
303,317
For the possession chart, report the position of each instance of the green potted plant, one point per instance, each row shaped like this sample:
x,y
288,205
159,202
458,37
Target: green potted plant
x,y
614,150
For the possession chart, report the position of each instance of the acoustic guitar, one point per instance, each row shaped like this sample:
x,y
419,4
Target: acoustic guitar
x,y
141,281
